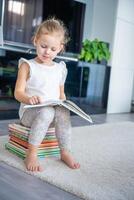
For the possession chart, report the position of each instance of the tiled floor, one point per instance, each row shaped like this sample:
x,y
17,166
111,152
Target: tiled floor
x,y
15,184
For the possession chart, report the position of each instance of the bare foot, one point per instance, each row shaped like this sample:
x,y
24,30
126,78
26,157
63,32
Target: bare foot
x,y
67,158
32,163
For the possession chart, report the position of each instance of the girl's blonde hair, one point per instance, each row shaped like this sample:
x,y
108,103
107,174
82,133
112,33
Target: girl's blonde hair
x,y
53,25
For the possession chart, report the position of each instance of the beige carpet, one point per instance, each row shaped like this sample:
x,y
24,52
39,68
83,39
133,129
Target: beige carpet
x,y
106,155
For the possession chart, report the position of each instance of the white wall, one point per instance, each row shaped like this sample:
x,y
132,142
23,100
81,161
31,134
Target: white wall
x,y
100,19
122,72
113,22
103,22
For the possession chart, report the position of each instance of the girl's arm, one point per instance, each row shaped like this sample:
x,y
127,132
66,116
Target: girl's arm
x,y
62,93
19,93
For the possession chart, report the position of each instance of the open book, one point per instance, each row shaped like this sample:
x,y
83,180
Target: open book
x,y
67,104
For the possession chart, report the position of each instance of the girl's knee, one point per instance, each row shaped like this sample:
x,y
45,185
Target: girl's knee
x,y
47,113
62,115
61,111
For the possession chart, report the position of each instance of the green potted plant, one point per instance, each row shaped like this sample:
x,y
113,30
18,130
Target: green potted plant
x,y
93,58
94,51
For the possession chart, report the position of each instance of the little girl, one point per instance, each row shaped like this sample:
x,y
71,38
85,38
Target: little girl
x,y
41,79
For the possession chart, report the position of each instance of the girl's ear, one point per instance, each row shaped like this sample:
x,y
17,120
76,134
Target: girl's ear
x,y
61,48
34,41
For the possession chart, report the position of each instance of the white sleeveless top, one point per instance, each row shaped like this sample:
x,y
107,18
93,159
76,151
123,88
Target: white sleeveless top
x,y
44,80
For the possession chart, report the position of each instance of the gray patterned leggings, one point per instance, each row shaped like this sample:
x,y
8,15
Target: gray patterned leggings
x,y
40,119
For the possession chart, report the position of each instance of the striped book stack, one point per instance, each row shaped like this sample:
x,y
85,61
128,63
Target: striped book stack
x,y
18,142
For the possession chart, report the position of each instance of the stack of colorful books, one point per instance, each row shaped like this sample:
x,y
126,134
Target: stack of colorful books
x,y
18,142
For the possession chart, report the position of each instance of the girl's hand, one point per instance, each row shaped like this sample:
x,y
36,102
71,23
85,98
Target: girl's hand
x,y
34,100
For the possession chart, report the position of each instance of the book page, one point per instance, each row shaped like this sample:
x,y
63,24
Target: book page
x,y
46,103
73,105
74,108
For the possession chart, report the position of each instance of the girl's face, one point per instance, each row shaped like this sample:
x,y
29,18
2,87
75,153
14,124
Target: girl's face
x,y
47,47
